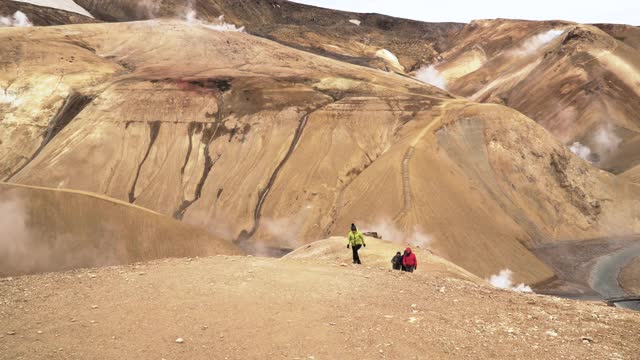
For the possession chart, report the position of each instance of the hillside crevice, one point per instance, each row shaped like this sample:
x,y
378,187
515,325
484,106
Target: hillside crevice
x,y
72,106
154,130
245,235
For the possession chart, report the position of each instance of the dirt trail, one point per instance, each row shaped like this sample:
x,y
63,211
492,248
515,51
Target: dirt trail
x,y
250,308
406,180
85,193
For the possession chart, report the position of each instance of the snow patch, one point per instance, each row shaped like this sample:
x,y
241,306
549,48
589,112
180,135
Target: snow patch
x,y
354,21
8,98
504,280
390,58
430,75
67,5
18,19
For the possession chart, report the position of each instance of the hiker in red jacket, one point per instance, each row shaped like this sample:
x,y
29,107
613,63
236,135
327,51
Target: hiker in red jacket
x,y
409,260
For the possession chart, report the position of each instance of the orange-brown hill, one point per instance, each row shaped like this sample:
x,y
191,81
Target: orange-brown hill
x,y
55,229
352,37
578,81
581,82
272,147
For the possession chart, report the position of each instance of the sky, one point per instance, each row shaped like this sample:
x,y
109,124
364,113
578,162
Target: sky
x,y
585,11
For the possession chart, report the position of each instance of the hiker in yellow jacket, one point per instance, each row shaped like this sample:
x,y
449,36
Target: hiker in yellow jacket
x,y
356,240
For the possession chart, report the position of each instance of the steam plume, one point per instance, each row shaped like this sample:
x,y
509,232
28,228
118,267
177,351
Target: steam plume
x,y
606,141
431,76
580,150
19,19
538,41
503,280
191,16
389,231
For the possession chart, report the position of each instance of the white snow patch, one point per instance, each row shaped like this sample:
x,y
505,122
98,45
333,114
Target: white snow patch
x,y
430,75
354,21
504,281
8,98
67,5
390,58
19,19
580,150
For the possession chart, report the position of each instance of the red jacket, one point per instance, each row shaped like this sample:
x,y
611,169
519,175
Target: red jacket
x,y
409,258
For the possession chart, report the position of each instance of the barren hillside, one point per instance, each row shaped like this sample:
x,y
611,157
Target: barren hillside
x,y
273,147
366,39
577,81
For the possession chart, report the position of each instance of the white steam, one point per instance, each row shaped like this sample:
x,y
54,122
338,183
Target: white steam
x,y
430,75
26,249
602,144
288,231
580,150
504,280
606,140
386,228
191,16
536,42
151,8
18,19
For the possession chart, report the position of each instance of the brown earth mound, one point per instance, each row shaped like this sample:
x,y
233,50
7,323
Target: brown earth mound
x,y
51,230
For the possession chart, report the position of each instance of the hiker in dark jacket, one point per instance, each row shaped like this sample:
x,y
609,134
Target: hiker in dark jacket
x,y
397,261
409,260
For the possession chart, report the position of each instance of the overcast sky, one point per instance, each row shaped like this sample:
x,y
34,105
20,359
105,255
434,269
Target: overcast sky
x,y
585,11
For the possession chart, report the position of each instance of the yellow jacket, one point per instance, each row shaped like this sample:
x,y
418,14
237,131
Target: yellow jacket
x,y
356,238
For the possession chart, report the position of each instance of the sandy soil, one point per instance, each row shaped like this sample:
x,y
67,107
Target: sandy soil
x,y
629,277
244,307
